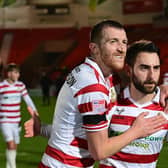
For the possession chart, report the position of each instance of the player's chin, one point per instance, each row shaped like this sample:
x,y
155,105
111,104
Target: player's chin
x,y
118,67
150,90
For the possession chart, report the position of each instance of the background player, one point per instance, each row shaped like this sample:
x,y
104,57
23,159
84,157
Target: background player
x,y
11,92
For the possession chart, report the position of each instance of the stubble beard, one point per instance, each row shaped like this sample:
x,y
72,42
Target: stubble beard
x,y
141,85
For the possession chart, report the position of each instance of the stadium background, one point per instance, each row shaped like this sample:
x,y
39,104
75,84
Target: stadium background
x,y
53,35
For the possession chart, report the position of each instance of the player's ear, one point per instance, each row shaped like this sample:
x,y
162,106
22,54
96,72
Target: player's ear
x,y
127,69
93,48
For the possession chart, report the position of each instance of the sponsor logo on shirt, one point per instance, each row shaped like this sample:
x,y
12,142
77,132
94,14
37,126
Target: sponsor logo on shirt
x,y
14,97
153,138
139,144
70,80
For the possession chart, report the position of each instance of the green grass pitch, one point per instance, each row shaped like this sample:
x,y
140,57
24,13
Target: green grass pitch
x,y
30,150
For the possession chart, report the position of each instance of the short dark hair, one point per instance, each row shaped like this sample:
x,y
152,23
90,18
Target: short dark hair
x,y
12,67
140,46
96,32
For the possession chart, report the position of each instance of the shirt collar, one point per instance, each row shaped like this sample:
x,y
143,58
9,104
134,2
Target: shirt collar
x,y
96,66
156,98
6,82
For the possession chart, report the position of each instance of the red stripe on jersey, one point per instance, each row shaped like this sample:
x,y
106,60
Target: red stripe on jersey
x,y
9,92
18,116
92,88
18,104
4,86
79,142
121,119
135,158
19,85
91,106
41,165
68,159
155,107
9,111
25,94
10,122
127,120
95,71
126,102
83,108
165,126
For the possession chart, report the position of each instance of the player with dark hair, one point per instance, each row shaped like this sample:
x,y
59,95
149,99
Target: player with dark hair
x,y
11,92
142,94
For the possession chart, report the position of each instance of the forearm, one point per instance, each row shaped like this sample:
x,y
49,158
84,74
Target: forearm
x,y
116,143
101,146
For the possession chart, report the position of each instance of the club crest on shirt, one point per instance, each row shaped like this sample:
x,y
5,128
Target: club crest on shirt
x,y
119,111
113,94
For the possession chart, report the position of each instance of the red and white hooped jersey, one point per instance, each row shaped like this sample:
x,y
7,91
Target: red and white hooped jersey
x,y
10,101
81,106
142,152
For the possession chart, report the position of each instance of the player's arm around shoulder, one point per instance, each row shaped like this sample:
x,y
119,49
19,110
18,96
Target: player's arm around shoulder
x,y
101,146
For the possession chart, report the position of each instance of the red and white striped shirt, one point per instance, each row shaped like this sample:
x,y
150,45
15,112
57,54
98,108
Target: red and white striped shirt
x,y
83,101
10,101
142,152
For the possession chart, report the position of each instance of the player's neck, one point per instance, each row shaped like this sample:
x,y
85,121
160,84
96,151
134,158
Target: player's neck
x,y
104,68
140,97
10,81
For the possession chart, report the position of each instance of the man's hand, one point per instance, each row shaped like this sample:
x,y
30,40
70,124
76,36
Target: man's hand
x,y
146,126
32,126
164,97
